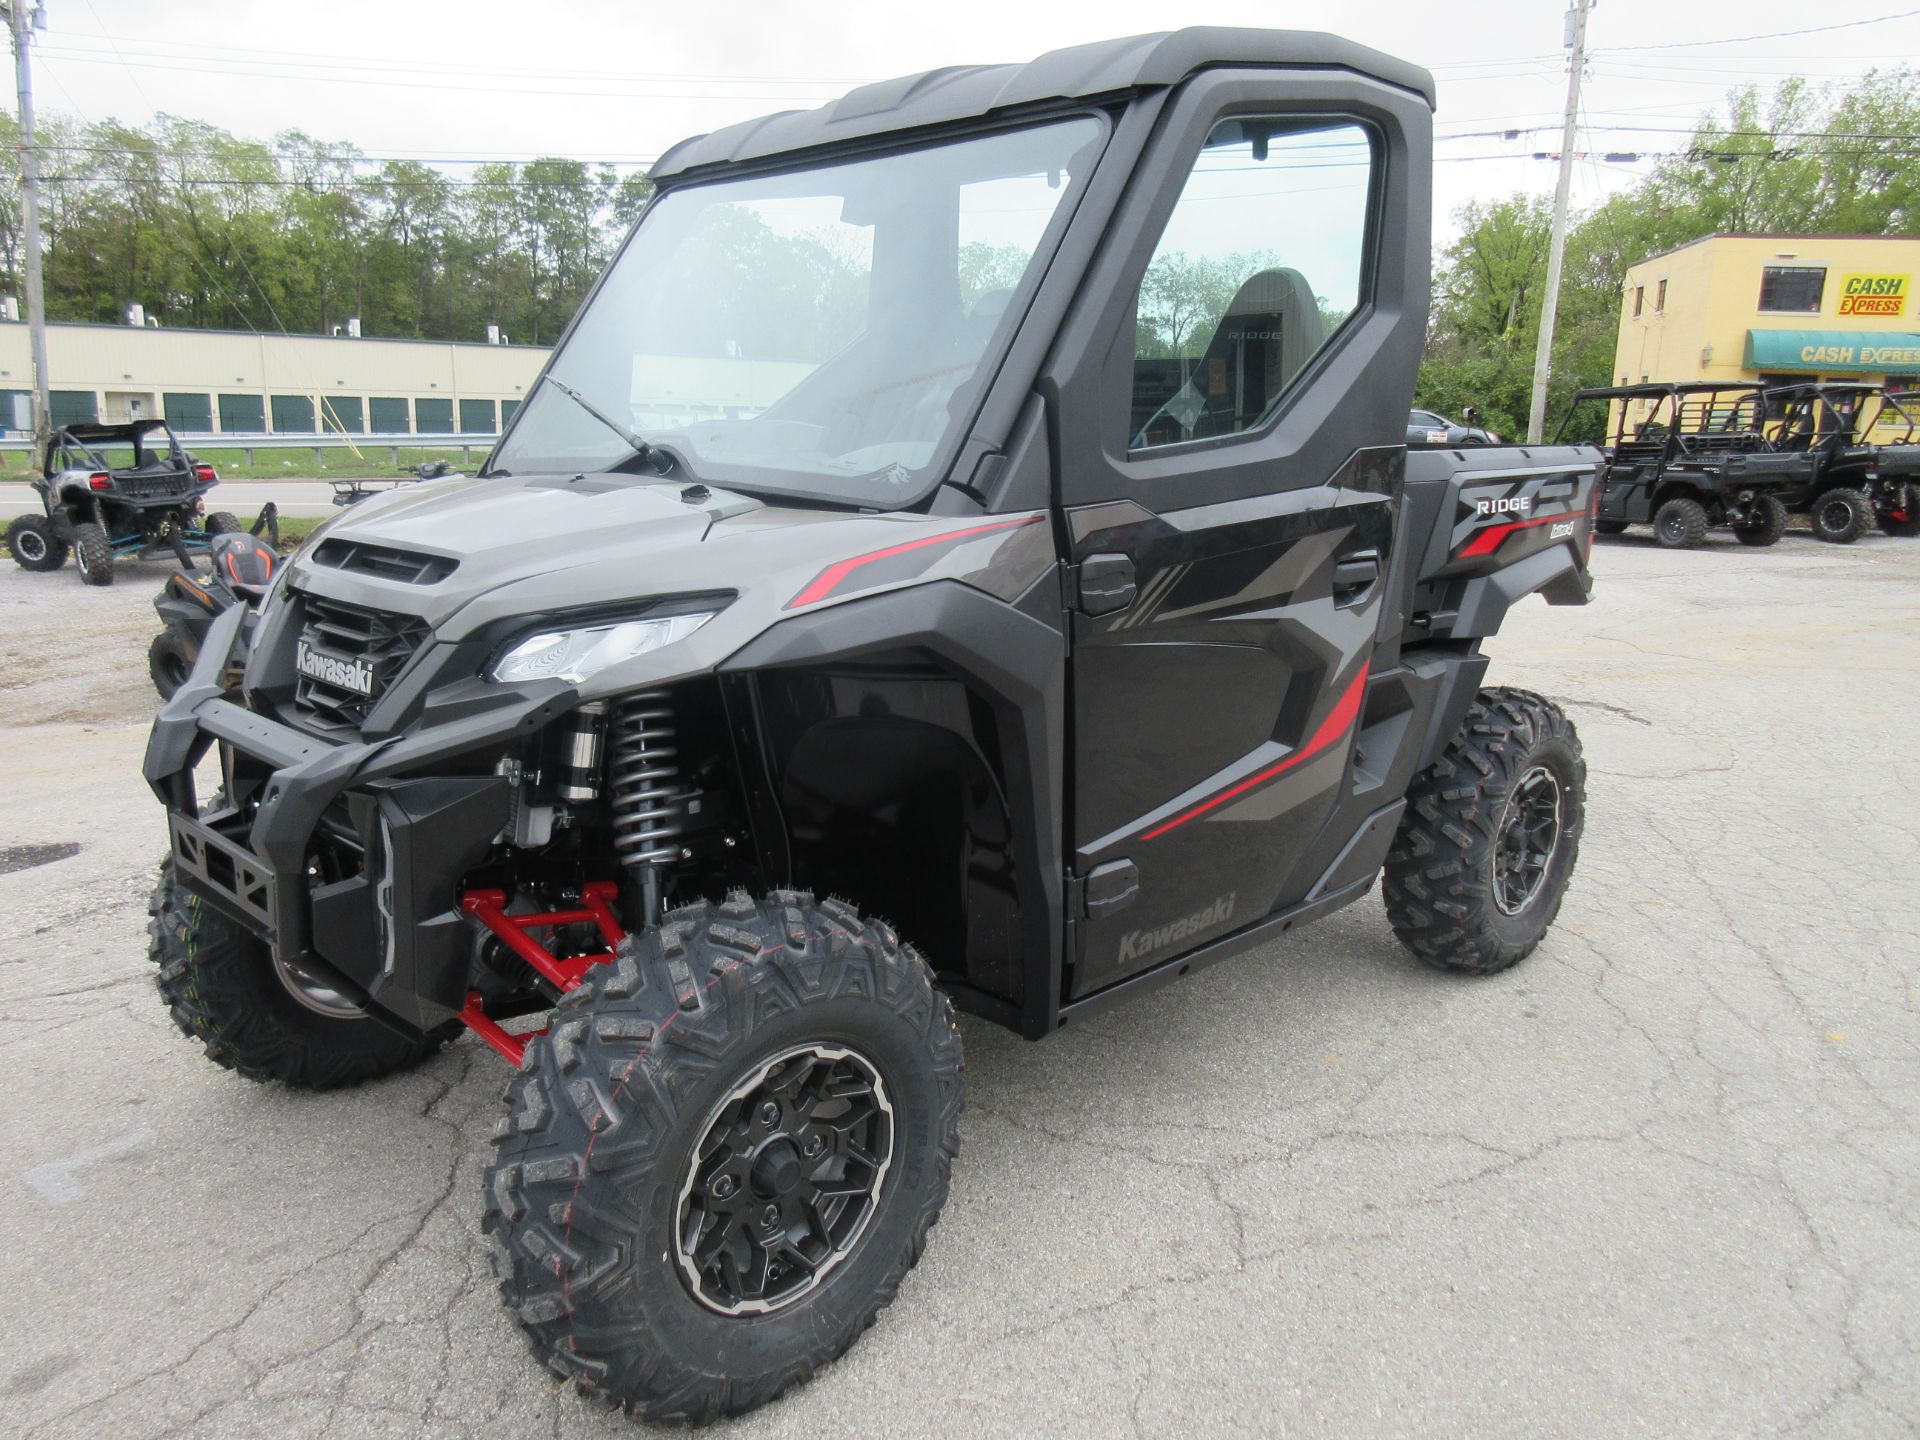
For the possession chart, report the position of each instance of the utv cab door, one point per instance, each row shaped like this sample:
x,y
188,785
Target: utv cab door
x,y
1232,415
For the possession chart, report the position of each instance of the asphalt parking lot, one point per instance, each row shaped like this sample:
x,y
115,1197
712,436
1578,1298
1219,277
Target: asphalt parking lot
x,y
1663,1178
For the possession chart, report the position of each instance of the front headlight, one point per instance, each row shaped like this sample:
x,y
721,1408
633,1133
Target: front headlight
x,y
576,654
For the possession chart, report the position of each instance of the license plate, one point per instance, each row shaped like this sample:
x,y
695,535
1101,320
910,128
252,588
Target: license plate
x,y
339,671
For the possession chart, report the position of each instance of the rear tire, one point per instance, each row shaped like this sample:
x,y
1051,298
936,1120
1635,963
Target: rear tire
x,y
169,661
1680,524
223,522
223,989
1765,525
1471,882
34,546
1841,516
93,554
1902,521
672,1071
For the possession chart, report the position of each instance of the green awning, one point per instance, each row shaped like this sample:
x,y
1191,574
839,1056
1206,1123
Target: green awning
x,y
1830,351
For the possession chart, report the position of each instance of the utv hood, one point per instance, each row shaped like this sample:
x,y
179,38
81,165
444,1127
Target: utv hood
x,y
534,548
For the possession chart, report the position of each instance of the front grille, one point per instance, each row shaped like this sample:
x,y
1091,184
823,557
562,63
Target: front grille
x,y
407,566
384,642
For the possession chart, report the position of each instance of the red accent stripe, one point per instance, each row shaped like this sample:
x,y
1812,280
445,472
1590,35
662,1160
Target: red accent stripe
x,y
1488,541
1335,727
828,580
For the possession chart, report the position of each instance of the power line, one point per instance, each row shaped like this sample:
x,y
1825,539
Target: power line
x,y
1769,35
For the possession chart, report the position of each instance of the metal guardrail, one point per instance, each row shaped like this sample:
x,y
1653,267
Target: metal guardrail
x,y
466,443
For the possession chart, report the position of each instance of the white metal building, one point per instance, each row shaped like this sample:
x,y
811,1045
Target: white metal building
x,y
236,382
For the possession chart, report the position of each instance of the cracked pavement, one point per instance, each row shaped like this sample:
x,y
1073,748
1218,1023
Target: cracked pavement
x,y
1662,1178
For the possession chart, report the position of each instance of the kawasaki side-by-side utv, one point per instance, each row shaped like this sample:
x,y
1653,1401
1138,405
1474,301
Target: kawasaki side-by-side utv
x,y
878,544
113,490
1865,464
1685,457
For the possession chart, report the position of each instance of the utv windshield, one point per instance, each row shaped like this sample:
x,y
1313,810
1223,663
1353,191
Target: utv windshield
x,y
820,332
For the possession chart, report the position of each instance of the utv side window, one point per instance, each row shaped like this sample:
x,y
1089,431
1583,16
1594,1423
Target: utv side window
x,y
1260,263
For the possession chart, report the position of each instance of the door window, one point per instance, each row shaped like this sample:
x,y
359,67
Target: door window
x,y
1260,264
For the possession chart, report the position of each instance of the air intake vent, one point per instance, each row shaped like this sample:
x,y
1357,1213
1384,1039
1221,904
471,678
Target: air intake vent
x,y
407,566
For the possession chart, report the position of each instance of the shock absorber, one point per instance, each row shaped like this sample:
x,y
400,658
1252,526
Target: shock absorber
x,y
644,791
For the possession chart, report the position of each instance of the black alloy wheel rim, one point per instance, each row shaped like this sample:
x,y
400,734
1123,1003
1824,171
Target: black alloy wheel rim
x,y
787,1175
1528,839
31,544
1836,515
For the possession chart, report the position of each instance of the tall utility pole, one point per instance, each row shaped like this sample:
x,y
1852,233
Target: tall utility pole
x,y
24,14
1576,43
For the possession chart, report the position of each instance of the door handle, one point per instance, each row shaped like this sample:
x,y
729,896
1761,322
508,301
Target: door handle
x,y
1354,576
1103,584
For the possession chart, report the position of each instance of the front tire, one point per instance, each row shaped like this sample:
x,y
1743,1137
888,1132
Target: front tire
x,y
93,554
1490,836
1765,525
1680,524
34,546
223,989
223,522
669,1227
169,661
1841,516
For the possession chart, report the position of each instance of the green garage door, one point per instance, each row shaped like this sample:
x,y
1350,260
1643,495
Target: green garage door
x,y
243,414
433,416
187,412
342,414
293,414
476,417
72,407
390,416
507,407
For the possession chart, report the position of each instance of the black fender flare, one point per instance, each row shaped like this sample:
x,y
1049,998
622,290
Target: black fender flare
x,y
1017,662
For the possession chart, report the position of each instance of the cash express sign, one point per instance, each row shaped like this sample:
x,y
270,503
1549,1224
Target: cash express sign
x,y
1873,294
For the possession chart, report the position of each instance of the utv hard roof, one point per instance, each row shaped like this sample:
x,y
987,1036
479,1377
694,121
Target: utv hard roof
x,y
1081,72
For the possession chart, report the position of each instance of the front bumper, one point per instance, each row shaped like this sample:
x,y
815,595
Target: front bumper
x,y
391,935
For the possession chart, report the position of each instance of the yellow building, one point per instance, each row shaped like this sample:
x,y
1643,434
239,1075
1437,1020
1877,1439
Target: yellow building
x,y
1774,308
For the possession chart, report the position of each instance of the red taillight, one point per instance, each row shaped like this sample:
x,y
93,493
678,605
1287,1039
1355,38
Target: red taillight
x,y
100,482
204,474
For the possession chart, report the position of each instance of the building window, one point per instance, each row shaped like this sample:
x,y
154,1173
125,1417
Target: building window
x,y
1639,299
391,415
476,417
292,414
1792,289
1660,299
433,415
243,414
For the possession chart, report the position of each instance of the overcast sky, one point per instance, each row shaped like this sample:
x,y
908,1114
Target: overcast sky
x,y
602,80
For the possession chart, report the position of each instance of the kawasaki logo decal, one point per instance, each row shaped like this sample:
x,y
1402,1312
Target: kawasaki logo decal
x,y
334,670
1145,942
